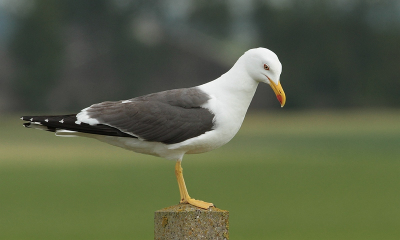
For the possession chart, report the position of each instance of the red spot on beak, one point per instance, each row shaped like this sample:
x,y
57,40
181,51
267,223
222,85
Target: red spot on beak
x,y
279,97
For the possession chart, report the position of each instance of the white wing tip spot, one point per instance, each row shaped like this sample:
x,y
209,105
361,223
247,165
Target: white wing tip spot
x,y
46,120
61,121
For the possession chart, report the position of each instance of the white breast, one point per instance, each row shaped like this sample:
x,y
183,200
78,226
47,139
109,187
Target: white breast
x,y
230,99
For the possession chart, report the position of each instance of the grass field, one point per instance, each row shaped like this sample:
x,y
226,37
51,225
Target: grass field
x,y
285,176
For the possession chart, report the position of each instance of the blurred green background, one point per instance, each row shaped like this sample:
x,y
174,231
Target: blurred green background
x,y
324,167
297,175
335,53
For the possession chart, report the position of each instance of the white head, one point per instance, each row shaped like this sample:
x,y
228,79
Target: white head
x,y
263,65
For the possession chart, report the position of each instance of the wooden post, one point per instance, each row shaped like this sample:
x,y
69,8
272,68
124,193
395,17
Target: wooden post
x,y
184,221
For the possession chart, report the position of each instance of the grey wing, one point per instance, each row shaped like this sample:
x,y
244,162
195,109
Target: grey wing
x,y
168,117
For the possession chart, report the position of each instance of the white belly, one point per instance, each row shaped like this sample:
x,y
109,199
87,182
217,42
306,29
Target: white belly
x,y
227,121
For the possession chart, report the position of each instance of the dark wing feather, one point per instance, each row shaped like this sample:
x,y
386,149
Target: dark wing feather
x,y
67,122
168,117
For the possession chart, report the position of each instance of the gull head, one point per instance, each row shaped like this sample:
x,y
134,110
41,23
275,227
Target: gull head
x,y
263,65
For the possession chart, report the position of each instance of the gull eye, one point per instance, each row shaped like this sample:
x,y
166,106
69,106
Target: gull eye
x,y
266,67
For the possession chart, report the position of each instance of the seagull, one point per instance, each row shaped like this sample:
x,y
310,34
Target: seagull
x,y
176,122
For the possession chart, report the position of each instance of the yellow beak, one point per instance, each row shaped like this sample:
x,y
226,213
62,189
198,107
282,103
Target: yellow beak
x,y
278,90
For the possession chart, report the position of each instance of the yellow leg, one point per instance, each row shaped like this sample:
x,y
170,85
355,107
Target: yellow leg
x,y
185,198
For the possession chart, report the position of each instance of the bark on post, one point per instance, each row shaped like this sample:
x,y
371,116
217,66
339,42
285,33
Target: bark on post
x,y
184,221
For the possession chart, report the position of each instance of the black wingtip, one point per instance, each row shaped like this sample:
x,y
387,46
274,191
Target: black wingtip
x,y
26,118
26,125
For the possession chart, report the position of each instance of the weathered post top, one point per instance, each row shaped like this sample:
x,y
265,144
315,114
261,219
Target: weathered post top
x,y
184,221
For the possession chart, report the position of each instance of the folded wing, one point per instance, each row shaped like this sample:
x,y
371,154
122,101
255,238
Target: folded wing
x,y
168,117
